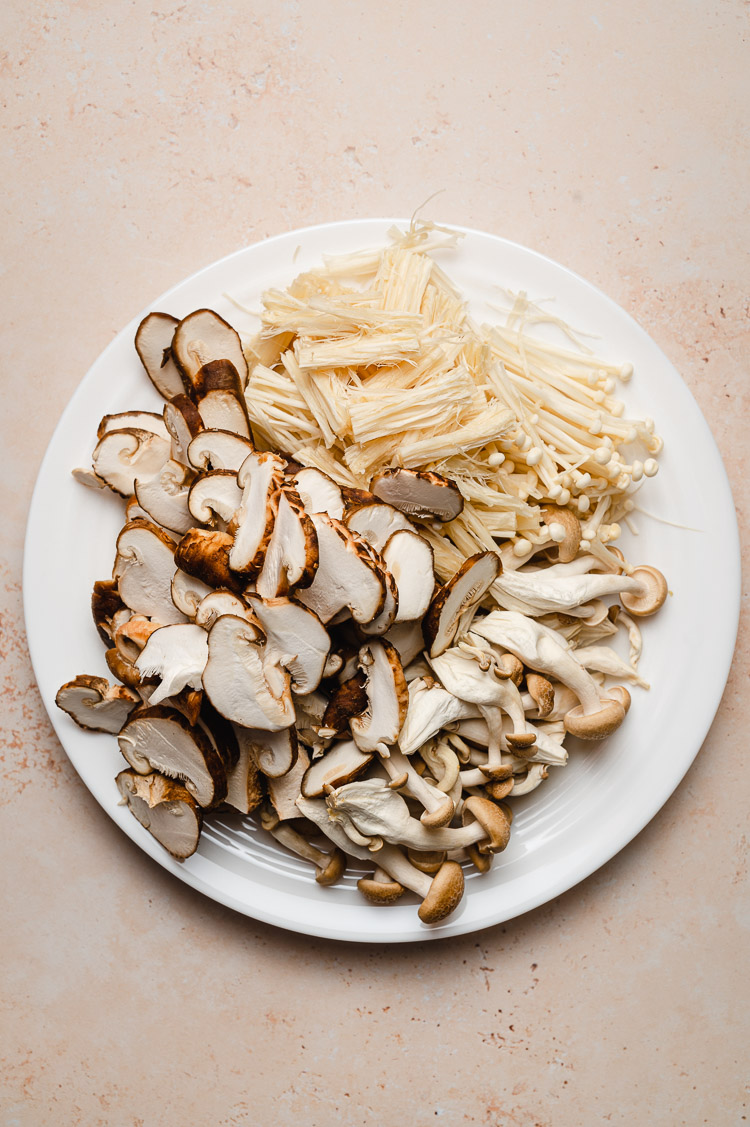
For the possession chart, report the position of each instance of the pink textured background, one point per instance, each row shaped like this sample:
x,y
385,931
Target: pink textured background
x,y
144,140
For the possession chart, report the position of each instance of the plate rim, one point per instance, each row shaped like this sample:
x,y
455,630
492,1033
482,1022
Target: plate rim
x,y
617,842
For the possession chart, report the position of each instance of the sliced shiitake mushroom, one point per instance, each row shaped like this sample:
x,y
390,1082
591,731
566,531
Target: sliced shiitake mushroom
x,y
220,399
153,343
464,591
165,808
347,577
218,450
291,557
161,739
120,456
144,567
419,493
204,336
260,477
205,553
96,705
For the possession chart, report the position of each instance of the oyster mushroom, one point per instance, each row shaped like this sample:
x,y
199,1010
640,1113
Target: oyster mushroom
x,y
144,567
461,594
165,808
439,897
153,343
204,336
241,682
177,655
419,493
329,867
161,739
121,456
430,709
95,705
595,717
260,478
566,588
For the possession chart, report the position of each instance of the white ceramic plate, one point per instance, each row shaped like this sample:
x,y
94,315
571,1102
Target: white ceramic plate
x,y
586,812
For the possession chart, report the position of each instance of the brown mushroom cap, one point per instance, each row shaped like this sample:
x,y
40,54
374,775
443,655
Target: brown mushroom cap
x,y
426,862
380,891
652,597
493,821
445,893
567,549
595,725
204,553
541,692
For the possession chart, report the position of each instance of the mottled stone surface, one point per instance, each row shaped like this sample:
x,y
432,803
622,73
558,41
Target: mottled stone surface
x,y
144,140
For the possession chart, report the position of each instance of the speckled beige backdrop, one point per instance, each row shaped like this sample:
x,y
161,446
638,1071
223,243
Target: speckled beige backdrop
x,y
144,140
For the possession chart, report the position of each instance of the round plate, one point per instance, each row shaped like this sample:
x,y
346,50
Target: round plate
x,y
586,812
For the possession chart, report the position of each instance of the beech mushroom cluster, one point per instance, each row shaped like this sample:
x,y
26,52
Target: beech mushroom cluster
x,y
284,644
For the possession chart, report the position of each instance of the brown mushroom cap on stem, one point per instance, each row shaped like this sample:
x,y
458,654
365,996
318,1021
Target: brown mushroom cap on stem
x,y
652,596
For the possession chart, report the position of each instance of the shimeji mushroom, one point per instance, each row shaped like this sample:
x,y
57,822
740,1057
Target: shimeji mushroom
x,y
419,493
650,594
204,336
144,567
178,656
165,808
161,739
242,682
96,705
153,343
596,716
329,867
260,478
492,692
371,813
440,894
457,597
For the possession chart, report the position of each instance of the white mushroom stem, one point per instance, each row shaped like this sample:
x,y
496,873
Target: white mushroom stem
x,y
368,810
536,774
443,762
439,809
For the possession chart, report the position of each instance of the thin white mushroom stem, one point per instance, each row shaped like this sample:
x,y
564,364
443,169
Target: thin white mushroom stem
x,y
439,809
398,867
493,717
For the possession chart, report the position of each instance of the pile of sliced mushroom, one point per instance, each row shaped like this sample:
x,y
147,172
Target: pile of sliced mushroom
x,y
282,644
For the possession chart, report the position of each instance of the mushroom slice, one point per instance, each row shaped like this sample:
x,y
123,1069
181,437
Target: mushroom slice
x,y
242,683
274,753
164,496
319,493
340,764
295,638
460,594
409,558
204,554
347,577
165,808
133,420
121,456
387,616
106,602
377,522
349,699
96,705
153,343
178,656
260,478
203,336
161,739
284,790
378,726
188,593
244,782
183,422
650,596
220,399
144,567
291,557
218,450
214,495
419,493
408,640
216,603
